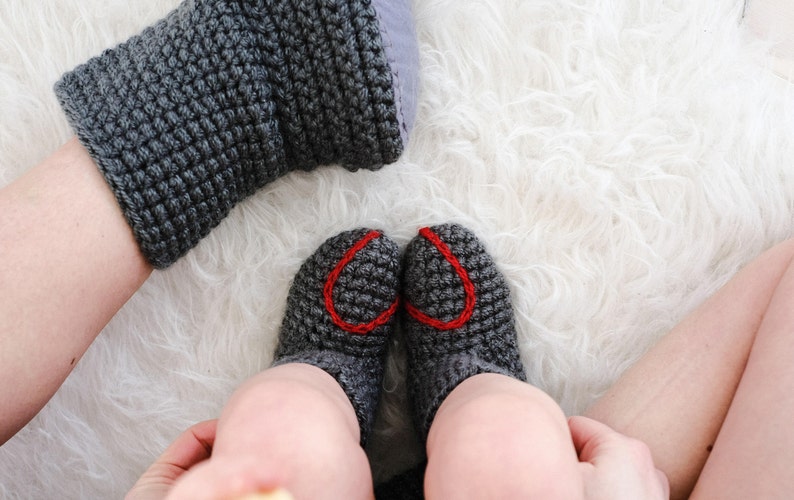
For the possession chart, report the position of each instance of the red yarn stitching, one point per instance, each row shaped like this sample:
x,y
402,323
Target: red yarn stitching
x,y
468,287
328,292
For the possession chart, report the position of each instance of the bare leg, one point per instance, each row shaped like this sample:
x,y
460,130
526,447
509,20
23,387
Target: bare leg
x,y
496,437
753,456
676,397
69,263
290,427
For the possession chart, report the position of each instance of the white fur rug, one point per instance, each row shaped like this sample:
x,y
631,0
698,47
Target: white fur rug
x,y
621,160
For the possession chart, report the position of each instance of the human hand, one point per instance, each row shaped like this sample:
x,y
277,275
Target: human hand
x,y
191,447
614,466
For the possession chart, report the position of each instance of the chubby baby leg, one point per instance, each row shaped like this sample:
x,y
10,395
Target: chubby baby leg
x,y
497,437
288,428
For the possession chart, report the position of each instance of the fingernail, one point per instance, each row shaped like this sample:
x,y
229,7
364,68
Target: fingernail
x,y
279,494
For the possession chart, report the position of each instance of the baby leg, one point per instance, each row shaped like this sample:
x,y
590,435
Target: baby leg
x,y
506,438
290,427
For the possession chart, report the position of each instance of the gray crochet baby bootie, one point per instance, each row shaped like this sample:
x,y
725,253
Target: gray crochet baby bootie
x,y
340,313
459,319
223,96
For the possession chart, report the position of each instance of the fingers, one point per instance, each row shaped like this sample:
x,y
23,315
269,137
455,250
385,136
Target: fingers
x,y
593,439
190,448
615,466
589,436
235,477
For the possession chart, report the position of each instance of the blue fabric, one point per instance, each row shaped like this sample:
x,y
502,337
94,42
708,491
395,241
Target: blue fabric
x,y
399,40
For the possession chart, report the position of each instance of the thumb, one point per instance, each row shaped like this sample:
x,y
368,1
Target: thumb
x,y
589,437
191,447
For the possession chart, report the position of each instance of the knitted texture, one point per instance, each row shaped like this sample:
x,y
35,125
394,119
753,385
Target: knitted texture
x,y
339,315
459,319
221,97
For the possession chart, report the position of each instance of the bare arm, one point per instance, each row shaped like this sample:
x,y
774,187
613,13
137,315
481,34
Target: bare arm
x,y
69,262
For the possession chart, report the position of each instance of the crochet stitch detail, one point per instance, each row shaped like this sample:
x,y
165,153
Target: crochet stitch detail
x,y
441,358
223,96
365,286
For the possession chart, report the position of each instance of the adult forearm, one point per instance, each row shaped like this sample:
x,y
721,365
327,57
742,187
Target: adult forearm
x,y
69,262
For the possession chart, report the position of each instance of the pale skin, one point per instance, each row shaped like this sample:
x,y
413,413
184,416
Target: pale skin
x,y
712,381
65,244
292,428
708,383
312,433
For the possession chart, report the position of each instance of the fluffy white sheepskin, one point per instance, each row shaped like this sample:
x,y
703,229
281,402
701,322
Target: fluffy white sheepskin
x,y
621,160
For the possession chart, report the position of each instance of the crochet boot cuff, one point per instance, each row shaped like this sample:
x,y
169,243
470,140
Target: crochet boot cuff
x,y
222,96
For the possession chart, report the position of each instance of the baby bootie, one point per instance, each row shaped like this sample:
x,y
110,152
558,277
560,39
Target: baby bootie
x,y
339,316
223,96
458,317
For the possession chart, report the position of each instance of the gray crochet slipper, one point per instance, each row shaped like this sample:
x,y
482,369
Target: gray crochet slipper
x,y
223,96
340,312
459,319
